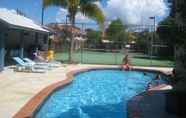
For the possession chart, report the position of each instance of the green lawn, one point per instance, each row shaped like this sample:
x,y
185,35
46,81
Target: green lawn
x,y
90,57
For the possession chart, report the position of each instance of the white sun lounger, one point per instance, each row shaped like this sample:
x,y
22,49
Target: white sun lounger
x,y
44,65
27,67
49,64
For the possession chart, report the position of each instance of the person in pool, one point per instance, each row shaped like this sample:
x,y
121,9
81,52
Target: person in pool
x,y
126,63
157,79
149,86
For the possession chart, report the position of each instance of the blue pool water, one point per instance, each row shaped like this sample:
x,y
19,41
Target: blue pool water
x,y
96,94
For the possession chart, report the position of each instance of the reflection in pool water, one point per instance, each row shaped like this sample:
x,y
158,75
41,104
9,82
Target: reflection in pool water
x,y
96,94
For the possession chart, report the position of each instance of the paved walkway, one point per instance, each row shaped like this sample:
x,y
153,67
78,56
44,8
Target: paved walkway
x,y
17,88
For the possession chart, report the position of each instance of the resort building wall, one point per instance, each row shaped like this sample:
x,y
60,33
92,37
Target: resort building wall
x,y
2,51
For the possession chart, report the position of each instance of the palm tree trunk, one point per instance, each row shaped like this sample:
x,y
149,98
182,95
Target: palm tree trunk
x,y
71,39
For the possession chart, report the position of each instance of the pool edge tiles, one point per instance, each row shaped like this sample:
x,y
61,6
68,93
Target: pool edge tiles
x,y
31,107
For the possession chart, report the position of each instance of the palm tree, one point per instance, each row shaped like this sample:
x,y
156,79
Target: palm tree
x,y
86,7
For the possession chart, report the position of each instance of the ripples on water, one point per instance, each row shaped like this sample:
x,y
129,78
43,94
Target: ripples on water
x,y
96,94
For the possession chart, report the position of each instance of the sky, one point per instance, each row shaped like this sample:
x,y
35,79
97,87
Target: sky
x,y
129,11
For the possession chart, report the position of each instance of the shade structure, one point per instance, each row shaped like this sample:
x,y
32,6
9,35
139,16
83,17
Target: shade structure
x,y
14,20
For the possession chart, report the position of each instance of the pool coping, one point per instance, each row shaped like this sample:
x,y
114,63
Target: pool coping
x,y
29,109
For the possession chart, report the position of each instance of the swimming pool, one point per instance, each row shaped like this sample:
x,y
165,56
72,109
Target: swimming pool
x,y
96,94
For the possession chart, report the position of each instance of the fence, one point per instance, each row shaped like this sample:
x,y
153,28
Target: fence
x,y
144,46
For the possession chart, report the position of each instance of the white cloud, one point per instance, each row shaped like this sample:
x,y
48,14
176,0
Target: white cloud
x,y
61,15
135,11
129,11
80,18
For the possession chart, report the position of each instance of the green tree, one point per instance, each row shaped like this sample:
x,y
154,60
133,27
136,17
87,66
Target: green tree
x,y
116,31
166,31
86,7
93,38
178,15
143,41
173,31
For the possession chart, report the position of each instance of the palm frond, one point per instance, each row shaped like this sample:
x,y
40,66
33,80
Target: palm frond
x,y
88,1
47,3
92,11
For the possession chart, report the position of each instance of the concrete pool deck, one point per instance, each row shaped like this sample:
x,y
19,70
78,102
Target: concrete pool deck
x,y
17,88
